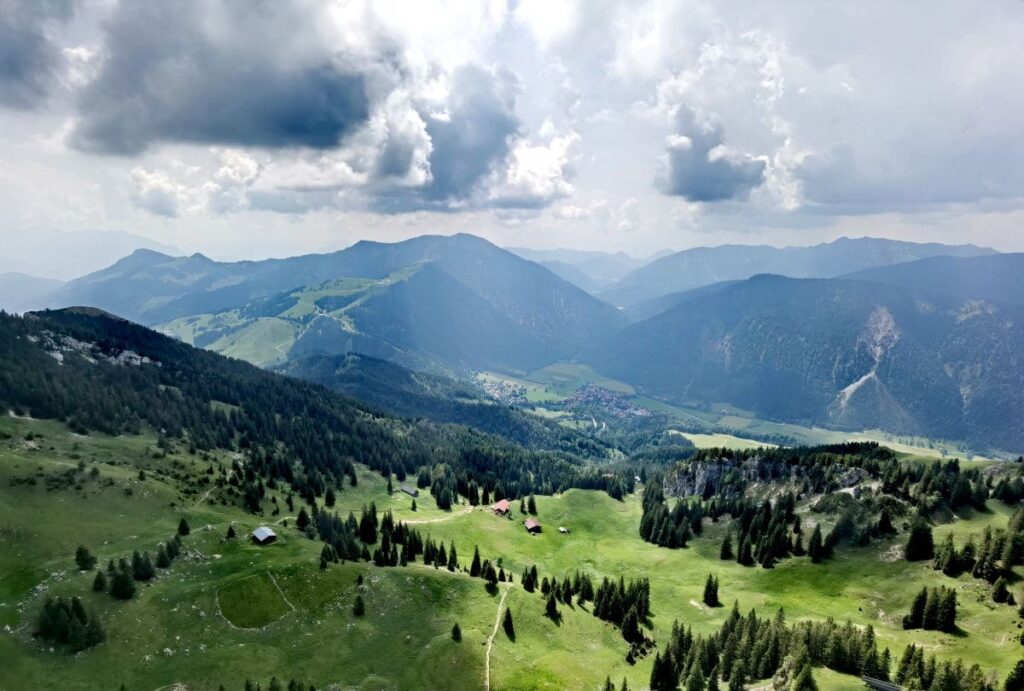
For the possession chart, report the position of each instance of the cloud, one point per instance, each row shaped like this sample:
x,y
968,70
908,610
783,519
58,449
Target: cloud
x,y
29,59
700,168
157,193
244,74
537,173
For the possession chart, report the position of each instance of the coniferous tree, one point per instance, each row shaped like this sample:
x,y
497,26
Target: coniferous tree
x,y
84,559
920,545
474,567
162,558
99,583
1015,679
711,592
551,607
531,505
329,498
183,527
507,625
815,548
456,633
725,553
359,608
1000,593
231,533
302,520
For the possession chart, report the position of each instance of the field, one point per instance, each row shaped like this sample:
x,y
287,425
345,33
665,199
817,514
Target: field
x,y
229,610
721,441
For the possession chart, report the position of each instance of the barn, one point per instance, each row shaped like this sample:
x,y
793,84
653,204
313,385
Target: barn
x,y
410,490
532,525
263,535
501,508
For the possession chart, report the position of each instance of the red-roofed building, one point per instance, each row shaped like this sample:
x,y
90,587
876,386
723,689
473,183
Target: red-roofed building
x,y
532,525
501,508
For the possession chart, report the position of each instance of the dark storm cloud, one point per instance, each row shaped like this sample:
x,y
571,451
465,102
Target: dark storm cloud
x,y
28,59
700,177
227,72
467,143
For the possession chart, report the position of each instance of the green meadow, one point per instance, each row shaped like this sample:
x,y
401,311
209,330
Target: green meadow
x,y
227,610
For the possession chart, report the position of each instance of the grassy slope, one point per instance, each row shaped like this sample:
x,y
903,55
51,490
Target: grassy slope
x,y
403,641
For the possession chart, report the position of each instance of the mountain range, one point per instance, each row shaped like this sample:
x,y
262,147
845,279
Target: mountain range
x,y
703,266
842,353
918,343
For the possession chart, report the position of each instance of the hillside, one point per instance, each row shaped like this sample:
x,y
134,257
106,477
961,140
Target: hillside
x,y
846,354
997,278
430,301
703,266
411,394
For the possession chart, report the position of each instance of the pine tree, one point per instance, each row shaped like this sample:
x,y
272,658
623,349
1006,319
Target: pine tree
x,y
302,520
1015,679
1000,593
696,681
507,625
330,498
531,505
359,608
456,633
725,553
815,549
413,507
162,559
551,607
84,559
711,592
231,533
738,677
474,567
804,680
920,545
99,583
183,528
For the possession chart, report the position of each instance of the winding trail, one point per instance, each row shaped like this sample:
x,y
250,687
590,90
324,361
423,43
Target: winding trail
x,y
441,519
490,639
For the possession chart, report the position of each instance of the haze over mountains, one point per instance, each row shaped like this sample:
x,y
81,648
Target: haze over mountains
x,y
919,339
706,265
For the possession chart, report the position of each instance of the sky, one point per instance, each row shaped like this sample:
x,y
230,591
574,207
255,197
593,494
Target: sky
x,y
255,128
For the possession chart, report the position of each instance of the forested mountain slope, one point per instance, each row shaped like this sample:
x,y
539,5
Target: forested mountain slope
x,y
407,393
98,372
848,354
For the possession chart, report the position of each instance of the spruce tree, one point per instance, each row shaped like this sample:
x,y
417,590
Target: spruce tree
x,y
359,608
183,527
1015,679
99,583
456,633
725,553
815,549
531,505
920,545
474,567
711,592
804,680
551,607
84,559
507,625
1000,593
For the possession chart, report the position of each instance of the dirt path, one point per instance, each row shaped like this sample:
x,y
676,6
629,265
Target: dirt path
x,y
490,639
441,519
283,596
